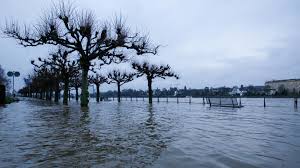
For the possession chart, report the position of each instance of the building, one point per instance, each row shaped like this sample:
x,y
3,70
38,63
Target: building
x,y
289,85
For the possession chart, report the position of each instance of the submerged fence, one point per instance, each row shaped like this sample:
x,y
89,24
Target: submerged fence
x,y
235,102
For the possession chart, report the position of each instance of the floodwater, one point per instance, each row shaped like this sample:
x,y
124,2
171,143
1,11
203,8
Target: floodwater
x,y
36,133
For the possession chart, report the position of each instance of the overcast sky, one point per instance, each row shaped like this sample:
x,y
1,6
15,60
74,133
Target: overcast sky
x,y
207,42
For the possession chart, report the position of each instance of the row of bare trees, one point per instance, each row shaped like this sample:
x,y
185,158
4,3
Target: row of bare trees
x,y
93,43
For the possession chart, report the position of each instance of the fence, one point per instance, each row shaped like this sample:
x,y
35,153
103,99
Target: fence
x,y
235,102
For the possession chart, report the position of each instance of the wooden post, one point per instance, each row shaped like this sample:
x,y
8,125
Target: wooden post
x,y
264,101
295,102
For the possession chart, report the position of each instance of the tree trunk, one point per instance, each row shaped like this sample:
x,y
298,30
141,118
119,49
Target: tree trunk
x,y
66,92
41,94
76,89
84,87
98,92
51,94
119,92
69,94
56,94
150,92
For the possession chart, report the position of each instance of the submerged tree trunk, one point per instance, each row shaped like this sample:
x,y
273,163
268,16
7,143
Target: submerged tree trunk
x,y
119,92
84,87
56,94
76,96
51,94
98,92
150,92
66,92
69,94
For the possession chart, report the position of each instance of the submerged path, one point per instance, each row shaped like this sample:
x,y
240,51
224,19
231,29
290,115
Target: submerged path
x,y
135,134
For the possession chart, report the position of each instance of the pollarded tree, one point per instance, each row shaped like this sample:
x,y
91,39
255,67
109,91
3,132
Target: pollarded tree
x,y
151,72
120,78
78,31
97,80
63,66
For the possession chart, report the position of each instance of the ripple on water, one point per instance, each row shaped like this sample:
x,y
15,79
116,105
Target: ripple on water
x,y
37,133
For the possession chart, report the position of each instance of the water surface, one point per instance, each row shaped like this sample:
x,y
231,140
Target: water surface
x,y
35,133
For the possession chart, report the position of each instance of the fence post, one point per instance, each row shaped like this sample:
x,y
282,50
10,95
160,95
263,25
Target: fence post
x,y
264,101
295,102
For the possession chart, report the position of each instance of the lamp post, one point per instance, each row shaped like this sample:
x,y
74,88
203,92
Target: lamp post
x,y
13,74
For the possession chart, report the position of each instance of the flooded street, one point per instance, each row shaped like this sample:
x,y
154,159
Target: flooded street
x,y
35,133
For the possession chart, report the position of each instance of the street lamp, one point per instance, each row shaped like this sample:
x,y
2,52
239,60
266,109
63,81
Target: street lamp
x,y
13,74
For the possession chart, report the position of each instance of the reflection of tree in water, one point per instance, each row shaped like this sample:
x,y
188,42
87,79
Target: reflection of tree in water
x,y
123,136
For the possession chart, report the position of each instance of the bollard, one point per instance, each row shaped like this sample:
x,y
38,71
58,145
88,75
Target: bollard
x,y
295,102
264,101
2,94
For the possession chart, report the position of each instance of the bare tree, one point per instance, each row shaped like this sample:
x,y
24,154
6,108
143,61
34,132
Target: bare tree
x,y
97,80
120,78
78,31
62,65
151,72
